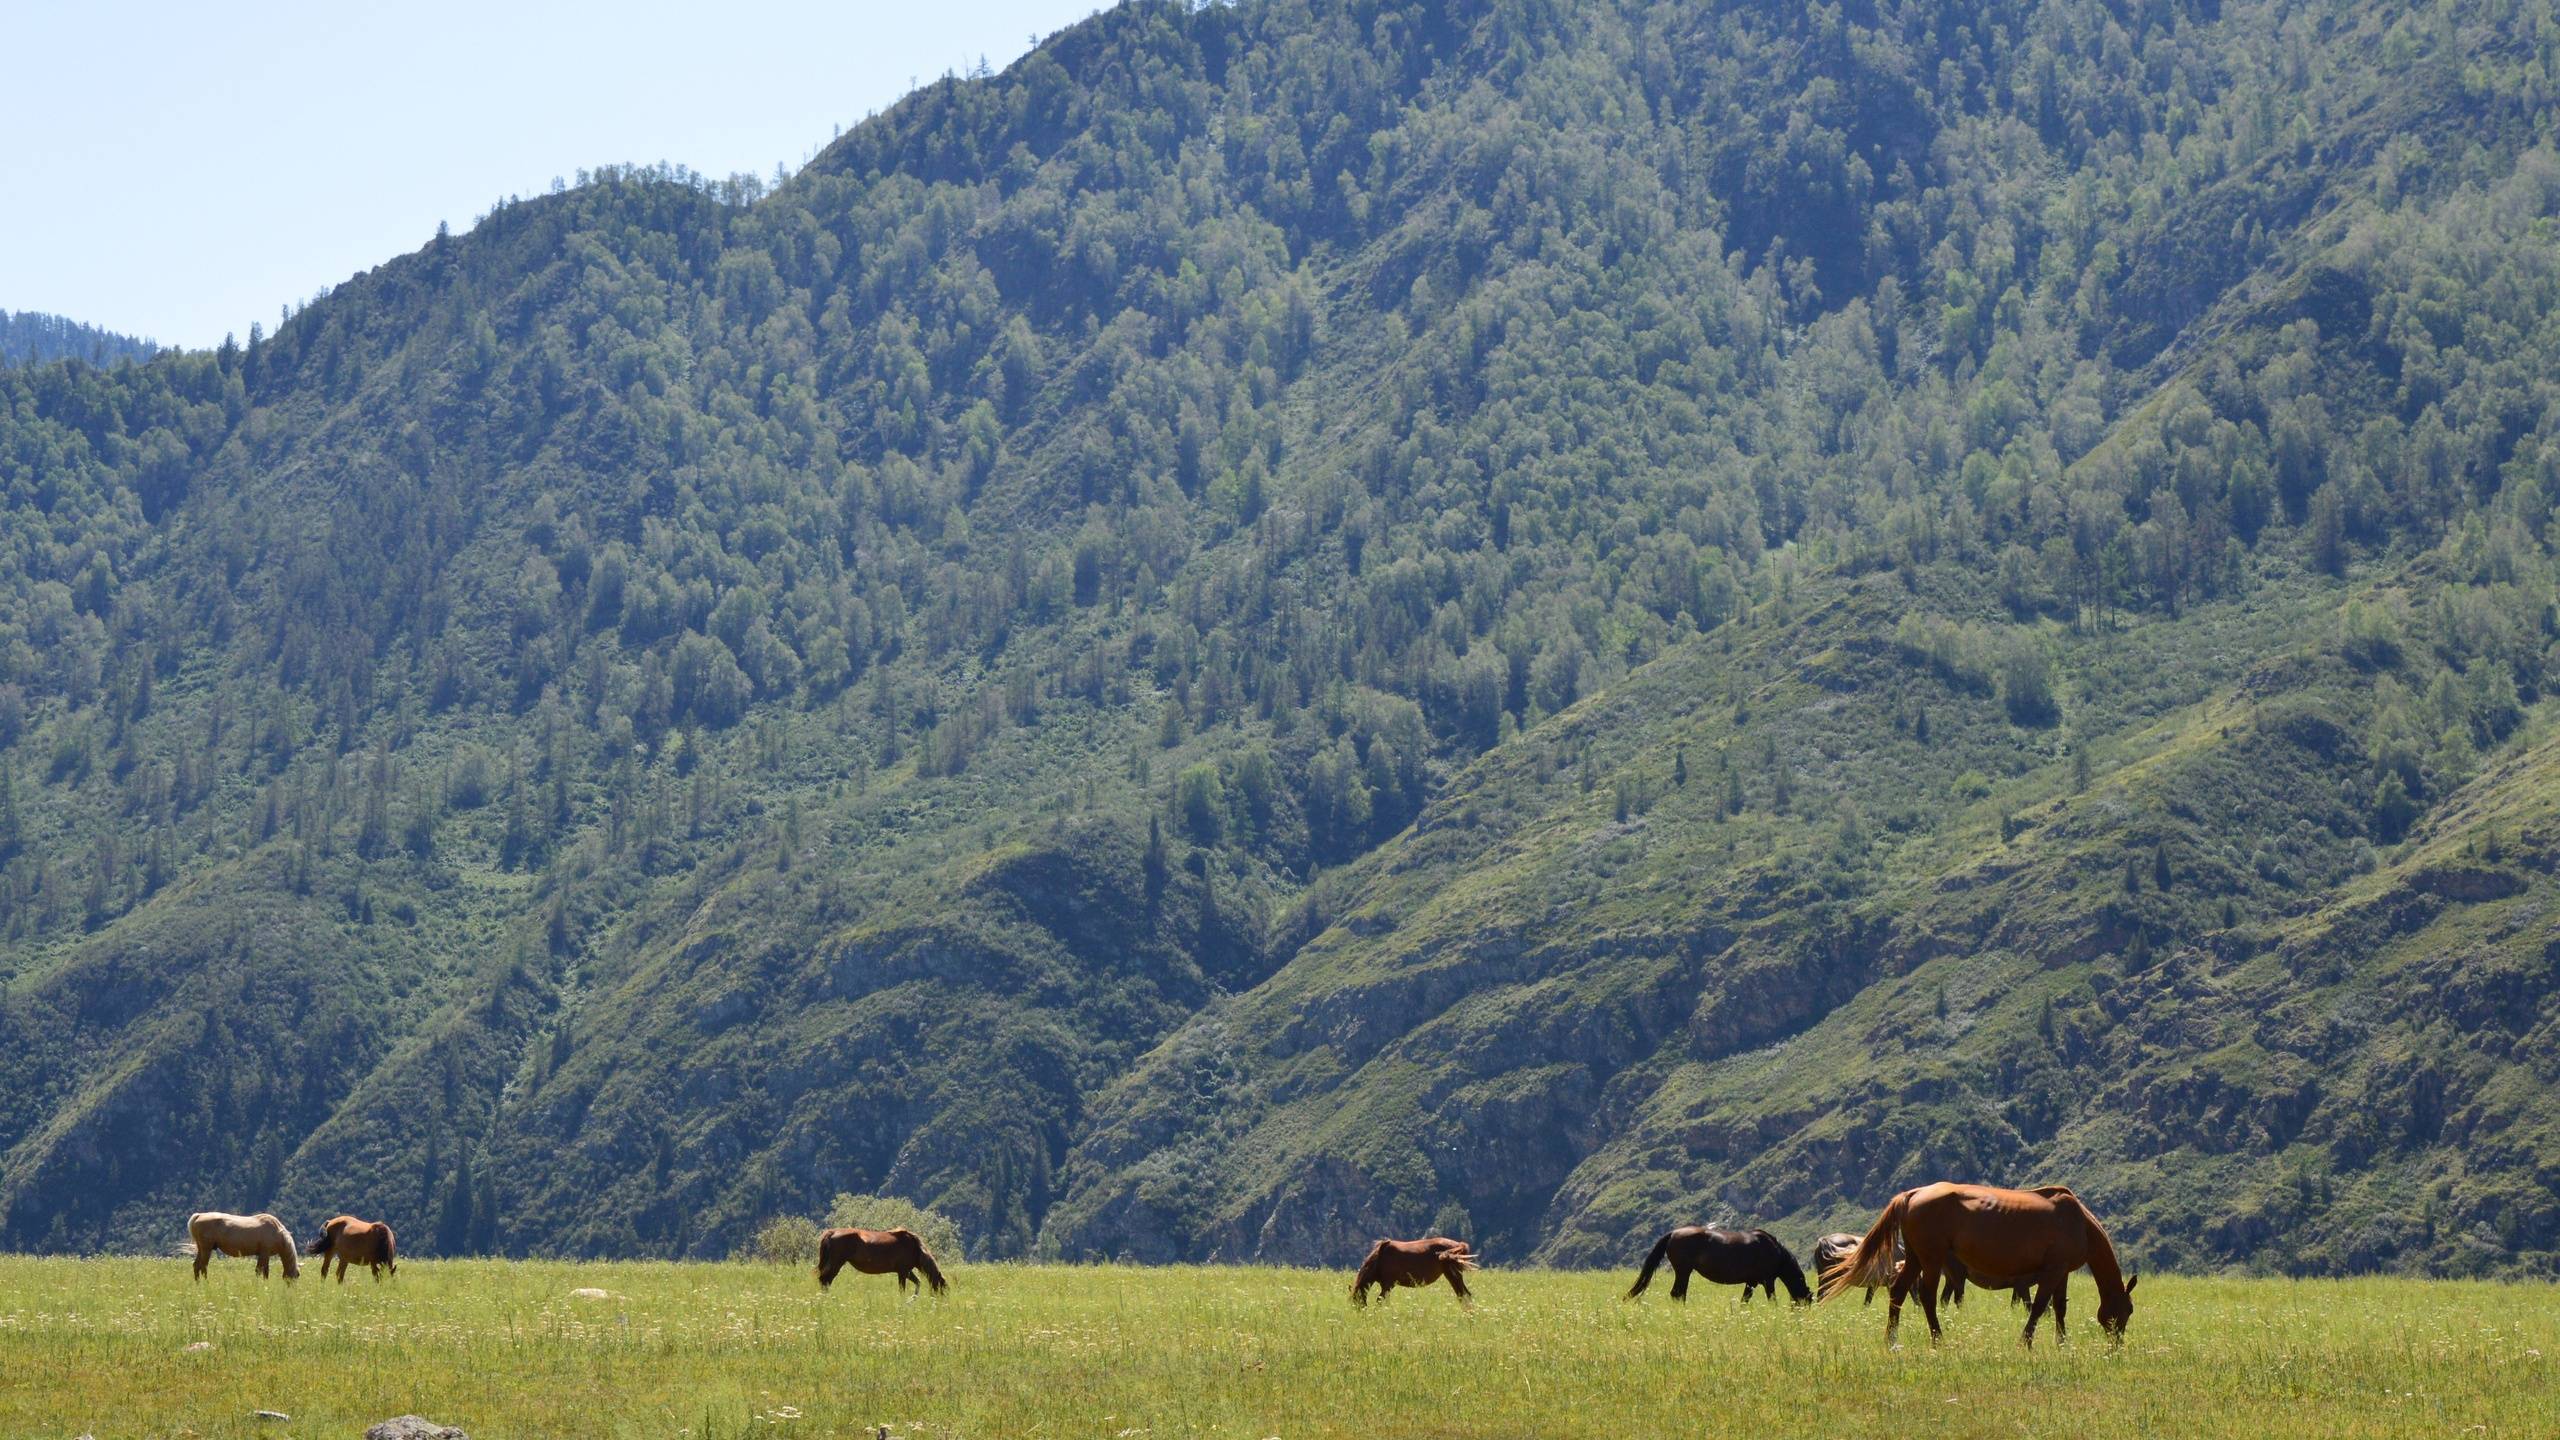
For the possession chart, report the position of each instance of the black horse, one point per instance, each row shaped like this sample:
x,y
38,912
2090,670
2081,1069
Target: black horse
x,y
1748,1258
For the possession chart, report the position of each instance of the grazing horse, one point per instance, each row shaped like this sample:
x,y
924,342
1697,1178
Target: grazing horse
x,y
1831,1249
351,1241
2003,1238
1414,1262
1951,1291
261,1235
1746,1258
898,1252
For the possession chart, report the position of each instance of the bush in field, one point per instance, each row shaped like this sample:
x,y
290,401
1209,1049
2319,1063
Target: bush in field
x,y
941,1234
785,1240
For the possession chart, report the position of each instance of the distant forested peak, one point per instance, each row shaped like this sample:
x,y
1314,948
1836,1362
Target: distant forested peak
x,y
31,337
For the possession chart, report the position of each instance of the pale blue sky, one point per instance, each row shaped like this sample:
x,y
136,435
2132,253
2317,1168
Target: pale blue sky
x,y
178,169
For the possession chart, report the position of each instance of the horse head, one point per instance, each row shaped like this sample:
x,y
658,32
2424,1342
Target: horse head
x,y
2116,1312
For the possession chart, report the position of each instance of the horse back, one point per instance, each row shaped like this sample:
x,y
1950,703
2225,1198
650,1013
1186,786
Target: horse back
x,y
1996,1231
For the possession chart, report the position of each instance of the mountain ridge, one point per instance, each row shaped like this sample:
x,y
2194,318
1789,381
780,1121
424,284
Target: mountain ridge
x,y
1294,621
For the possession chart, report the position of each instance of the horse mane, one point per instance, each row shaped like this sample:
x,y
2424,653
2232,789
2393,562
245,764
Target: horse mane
x,y
2100,1245
1368,1275
1788,1270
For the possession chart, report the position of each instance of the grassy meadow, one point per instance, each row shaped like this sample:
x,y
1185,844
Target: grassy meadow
x,y
506,1350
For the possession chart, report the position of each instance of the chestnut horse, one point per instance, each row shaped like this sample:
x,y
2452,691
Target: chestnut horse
x,y
1746,1258
1414,1262
2003,1238
878,1252
351,1241
261,1235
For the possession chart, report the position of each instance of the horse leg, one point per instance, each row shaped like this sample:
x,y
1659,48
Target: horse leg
x,y
1928,1288
1902,1281
262,1265
1679,1279
2035,1312
204,1257
2061,1305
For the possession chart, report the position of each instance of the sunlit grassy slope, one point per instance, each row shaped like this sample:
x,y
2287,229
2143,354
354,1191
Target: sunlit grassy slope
x,y
101,1346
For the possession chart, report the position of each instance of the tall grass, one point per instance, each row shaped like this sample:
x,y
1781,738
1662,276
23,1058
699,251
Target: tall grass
x,y
506,1350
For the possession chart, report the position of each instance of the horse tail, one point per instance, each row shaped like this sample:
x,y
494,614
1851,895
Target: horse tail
x,y
1872,1262
1790,1273
1652,1261
390,1250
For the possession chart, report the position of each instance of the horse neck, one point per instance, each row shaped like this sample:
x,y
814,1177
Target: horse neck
x,y
2102,1259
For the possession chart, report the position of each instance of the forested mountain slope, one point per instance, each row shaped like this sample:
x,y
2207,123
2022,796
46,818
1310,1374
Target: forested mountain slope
x,y
31,337
1301,620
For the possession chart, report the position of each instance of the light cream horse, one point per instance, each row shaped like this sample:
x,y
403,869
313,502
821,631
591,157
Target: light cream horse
x,y
261,1235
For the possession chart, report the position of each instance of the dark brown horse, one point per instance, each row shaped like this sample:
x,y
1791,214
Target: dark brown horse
x,y
2002,1238
351,1241
878,1252
1748,1258
1414,1262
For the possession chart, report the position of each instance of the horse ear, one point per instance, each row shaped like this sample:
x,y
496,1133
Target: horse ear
x,y
2136,1280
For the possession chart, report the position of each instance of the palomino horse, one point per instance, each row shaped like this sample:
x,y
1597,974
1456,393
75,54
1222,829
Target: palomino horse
x,y
351,1241
2003,1239
878,1252
261,1235
1414,1262
1831,1249
1746,1258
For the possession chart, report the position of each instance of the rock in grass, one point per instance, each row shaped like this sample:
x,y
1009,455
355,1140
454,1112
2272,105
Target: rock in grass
x,y
589,1292
413,1427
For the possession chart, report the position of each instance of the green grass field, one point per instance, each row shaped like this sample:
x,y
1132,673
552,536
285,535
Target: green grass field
x,y
506,1351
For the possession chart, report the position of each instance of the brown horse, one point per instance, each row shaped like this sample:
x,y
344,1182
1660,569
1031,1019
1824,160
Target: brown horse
x,y
1951,1291
878,1252
351,1241
1414,1262
2003,1238
261,1235
1747,1258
